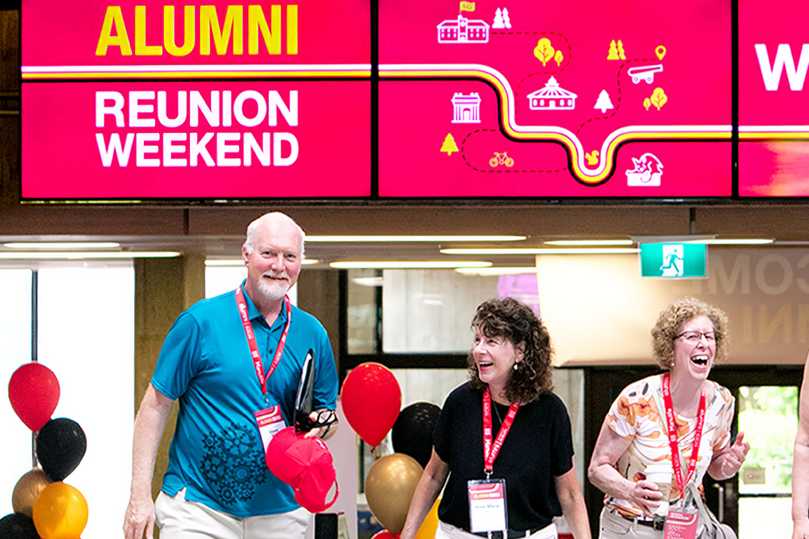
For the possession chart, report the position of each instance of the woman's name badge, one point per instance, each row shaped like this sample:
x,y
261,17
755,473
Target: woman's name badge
x,y
270,421
487,505
681,524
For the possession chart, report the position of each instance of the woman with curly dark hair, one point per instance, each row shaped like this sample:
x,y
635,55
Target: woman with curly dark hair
x,y
503,441
665,432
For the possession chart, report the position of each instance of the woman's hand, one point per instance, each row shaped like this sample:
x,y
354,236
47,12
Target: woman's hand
x,y
645,494
727,463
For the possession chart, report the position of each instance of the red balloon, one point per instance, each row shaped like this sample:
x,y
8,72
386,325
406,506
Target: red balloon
x,y
371,401
34,392
385,534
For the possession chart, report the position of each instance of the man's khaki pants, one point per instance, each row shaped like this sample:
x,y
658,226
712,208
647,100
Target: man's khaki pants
x,y
181,519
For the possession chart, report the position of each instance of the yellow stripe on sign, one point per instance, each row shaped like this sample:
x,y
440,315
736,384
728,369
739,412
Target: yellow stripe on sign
x,y
467,6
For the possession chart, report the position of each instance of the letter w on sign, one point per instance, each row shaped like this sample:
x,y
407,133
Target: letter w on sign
x,y
783,61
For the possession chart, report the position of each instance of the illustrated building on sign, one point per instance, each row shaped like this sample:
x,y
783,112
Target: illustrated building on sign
x,y
552,97
466,108
463,30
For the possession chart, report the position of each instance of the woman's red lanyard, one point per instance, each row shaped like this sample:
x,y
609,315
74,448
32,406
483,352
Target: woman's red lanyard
x,y
490,451
251,341
674,440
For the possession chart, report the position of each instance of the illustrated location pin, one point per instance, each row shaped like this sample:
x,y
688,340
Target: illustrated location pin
x,y
660,51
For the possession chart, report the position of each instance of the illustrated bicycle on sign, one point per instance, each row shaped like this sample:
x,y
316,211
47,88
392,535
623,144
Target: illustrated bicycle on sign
x,y
501,158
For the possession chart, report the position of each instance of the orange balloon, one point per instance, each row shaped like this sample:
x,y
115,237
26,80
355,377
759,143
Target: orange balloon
x,y
430,524
60,512
27,490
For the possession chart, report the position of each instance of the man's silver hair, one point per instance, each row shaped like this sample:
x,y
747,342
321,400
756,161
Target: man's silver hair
x,y
271,216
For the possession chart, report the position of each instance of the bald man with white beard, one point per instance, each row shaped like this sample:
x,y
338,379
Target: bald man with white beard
x,y
234,363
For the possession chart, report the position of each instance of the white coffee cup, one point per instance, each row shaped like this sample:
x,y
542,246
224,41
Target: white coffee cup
x,y
661,475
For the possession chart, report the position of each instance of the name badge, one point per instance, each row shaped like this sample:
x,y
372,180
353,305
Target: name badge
x,y
487,505
681,524
270,421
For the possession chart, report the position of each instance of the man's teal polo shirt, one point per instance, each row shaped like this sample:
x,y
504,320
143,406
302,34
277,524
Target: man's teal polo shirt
x,y
205,362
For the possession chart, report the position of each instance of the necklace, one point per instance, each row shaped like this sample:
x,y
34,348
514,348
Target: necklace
x,y
497,413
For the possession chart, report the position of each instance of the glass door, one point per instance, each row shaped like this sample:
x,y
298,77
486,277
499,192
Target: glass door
x,y
768,415
757,502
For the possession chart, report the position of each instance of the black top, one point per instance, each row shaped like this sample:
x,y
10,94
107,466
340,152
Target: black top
x,y
537,449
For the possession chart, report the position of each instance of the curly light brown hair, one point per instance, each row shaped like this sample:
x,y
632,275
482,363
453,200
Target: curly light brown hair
x,y
672,318
509,319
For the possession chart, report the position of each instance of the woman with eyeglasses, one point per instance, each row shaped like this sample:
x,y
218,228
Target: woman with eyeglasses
x,y
666,431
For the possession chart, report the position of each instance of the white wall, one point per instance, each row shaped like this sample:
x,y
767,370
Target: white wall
x,y
430,310
15,350
86,337
86,328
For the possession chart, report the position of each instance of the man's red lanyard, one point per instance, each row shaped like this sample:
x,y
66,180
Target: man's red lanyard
x,y
490,451
251,340
674,441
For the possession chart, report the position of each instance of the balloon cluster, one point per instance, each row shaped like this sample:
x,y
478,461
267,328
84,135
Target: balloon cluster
x,y
371,400
44,506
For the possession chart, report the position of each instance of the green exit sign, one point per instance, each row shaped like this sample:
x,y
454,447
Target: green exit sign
x,y
673,260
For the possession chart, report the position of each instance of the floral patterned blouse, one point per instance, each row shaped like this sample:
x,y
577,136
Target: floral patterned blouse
x,y
638,415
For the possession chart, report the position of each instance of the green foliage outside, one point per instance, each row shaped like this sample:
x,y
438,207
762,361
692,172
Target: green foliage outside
x,y
768,416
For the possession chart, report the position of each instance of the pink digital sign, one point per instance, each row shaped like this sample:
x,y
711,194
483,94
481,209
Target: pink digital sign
x,y
773,116
192,33
196,100
555,99
195,140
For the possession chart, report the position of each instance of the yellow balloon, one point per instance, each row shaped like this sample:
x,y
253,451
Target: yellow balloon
x,y
389,486
27,490
60,512
430,524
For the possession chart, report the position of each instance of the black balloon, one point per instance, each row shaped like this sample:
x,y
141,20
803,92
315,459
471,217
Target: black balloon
x,y
61,445
413,431
17,526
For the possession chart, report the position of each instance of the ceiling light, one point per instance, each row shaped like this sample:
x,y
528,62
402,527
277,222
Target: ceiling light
x,y
502,270
62,245
223,262
590,243
408,239
235,262
541,251
85,255
409,264
368,281
734,241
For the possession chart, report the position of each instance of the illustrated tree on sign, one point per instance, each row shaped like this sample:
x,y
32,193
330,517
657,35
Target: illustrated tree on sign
x,y
659,98
449,146
498,19
558,58
506,19
621,54
544,50
604,103
613,53
647,103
